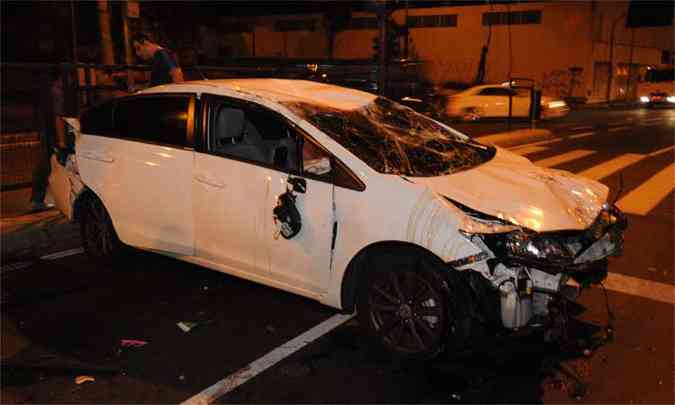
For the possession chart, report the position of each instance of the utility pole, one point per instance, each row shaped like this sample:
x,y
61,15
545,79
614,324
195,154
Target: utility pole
x,y
131,10
382,46
611,56
107,55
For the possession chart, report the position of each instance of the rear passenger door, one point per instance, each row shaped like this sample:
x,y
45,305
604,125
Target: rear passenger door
x,y
149,194
232,182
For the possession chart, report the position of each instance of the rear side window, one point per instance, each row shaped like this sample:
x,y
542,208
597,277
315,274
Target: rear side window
x,y
99,120
494,91
161,120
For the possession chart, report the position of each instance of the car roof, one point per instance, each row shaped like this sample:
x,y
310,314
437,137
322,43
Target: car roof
x,y
278,90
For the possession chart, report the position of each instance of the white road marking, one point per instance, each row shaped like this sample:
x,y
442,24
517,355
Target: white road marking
x,y
606,169
64,253
14,266
530,149
641,288
649,194
581,135
660,151
621,128
564,158
239,377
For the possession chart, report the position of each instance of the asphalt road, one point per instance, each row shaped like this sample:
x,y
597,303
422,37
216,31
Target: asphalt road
x,y
65,317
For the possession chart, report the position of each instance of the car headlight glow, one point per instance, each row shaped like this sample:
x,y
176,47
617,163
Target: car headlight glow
x,y
671,99
644,99
521,244
556,104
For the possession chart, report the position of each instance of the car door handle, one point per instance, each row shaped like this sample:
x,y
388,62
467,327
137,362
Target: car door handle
x,y
208,180
101,157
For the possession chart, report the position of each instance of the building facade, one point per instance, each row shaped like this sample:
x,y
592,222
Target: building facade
x,y
564,46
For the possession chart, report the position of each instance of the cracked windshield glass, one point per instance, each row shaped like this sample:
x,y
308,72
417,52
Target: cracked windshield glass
x,y
394,139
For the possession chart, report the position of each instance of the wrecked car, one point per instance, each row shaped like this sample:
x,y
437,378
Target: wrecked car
x,y
340,196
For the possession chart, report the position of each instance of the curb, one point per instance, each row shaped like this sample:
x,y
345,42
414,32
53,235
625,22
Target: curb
x,y
33,234
517,137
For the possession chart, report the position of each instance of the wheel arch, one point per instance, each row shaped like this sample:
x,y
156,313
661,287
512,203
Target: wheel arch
x,y
354,272
81,198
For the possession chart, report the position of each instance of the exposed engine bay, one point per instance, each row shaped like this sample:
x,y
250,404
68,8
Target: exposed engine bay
x,y
529,271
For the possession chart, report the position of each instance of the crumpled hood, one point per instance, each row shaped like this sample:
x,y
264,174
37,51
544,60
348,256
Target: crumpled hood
x,y
514,189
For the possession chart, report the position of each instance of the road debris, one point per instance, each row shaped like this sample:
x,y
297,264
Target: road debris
x,y
271,329
81,379
133,343
187,326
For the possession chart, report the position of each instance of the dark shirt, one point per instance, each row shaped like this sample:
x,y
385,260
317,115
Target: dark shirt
x,y
162,64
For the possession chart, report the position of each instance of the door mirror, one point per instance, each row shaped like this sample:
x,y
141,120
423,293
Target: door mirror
x,y
298,184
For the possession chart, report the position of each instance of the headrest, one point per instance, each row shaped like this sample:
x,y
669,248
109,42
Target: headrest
x,y
229,123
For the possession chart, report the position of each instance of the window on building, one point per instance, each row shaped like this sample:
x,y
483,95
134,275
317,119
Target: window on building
x,y
513,17
160,120
429,21
295,25
362,23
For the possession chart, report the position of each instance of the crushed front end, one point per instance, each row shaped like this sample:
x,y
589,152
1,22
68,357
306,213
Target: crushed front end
x,y
531,272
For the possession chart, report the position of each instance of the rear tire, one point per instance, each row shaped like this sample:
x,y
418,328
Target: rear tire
x,y
405,305
99,238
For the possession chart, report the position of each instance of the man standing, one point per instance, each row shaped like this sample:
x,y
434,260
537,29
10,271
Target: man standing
x,y
165,69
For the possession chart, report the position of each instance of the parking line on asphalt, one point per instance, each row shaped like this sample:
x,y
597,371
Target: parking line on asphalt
x,y
581,135
64,253
564,158
640,287
256,367
621,128
649,194
661,151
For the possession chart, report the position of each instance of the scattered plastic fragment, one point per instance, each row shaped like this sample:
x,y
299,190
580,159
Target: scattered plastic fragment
x,y
81,379
181,377
455,397
187,326
587,353
133,343
271,329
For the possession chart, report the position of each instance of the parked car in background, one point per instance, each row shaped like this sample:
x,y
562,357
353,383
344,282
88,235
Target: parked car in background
x,y
341,196
657,86
492,101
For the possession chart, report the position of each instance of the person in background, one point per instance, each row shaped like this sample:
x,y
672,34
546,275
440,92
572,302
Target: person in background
x,y
165,68
51,129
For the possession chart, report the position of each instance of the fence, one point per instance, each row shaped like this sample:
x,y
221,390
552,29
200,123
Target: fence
x,y
26,94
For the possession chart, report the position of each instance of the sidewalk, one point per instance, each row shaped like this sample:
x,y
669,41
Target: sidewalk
x,y
28,236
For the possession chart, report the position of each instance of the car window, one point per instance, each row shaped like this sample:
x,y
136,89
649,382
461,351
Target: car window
x,y
394,139
154,119
252,133
315,161
98,120
494,91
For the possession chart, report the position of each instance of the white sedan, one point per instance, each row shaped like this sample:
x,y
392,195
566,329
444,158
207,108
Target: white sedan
x,y
340,196
493,101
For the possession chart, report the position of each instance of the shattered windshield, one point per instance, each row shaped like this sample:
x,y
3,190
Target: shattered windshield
x,y
394,139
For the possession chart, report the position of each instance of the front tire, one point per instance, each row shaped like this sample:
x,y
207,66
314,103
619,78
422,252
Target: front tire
x,y
99,238
403,304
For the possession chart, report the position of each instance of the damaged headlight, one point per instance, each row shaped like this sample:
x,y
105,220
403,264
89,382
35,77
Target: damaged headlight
x,y
522,244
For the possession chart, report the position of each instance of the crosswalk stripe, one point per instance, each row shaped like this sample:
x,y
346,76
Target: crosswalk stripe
x,y
581,135
660,151
649,194
565,157
529,149
610,167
